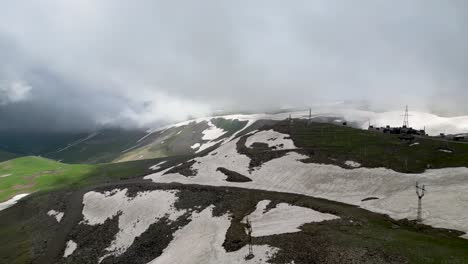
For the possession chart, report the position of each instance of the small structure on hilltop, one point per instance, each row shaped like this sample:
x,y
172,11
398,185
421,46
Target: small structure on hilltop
x,y
420,191
406,132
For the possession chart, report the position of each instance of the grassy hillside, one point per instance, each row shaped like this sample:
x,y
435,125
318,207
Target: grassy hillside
x,y
100,147
334,144
6,156
36,143
30,174
70,147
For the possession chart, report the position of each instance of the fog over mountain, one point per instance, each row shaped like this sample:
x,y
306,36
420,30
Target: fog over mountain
x,y
79,64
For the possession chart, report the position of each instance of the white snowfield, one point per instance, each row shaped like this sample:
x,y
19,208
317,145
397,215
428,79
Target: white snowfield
x,y
157,166
12,201
5,175
284,218
136,214
57,215
272,138
445,204
71,247
201,241
213,132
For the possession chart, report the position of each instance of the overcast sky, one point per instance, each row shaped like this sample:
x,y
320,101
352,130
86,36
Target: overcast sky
x,y
77,63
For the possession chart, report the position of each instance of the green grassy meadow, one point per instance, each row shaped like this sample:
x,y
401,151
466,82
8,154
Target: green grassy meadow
x,y
30,174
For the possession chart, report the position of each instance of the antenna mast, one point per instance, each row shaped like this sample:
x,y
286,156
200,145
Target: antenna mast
x,y
406,118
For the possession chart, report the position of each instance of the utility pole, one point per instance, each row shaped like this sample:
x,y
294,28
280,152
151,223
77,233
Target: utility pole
x,y
248,227
420,193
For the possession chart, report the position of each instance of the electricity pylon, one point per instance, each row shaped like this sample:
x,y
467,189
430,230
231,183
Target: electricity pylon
x,y
248,227
420,191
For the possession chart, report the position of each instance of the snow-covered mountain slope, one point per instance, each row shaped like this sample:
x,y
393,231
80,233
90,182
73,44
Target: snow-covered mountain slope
x,y
184,226
434,124
391,192
197,135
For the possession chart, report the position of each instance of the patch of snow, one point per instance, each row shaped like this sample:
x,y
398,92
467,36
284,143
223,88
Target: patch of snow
x,y
446,150
352,164
78,141
434,124
157,166
207,145
201,240
445,204
213,132
272,138
71,247
284,218
179,132
12,201
135,214
414,144
5,175
58,215
195,146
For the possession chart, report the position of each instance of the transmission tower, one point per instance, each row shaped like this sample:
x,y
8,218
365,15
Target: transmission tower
x,y
248,227
406,118
420,191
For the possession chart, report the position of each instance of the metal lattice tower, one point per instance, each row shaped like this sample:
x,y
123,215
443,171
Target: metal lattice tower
x,y
406,118
248,227
420,191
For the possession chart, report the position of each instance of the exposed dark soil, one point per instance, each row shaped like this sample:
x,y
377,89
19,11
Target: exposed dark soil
x,y
233,176
369,199
184,169
259,154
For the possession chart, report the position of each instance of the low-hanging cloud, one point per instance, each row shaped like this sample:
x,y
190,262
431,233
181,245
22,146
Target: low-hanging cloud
x,y
137,63
13,92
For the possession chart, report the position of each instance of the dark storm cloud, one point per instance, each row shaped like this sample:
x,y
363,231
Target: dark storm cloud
x,y
74,64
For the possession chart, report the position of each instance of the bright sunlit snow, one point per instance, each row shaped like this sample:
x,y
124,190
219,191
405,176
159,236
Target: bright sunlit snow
x,y
284,218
